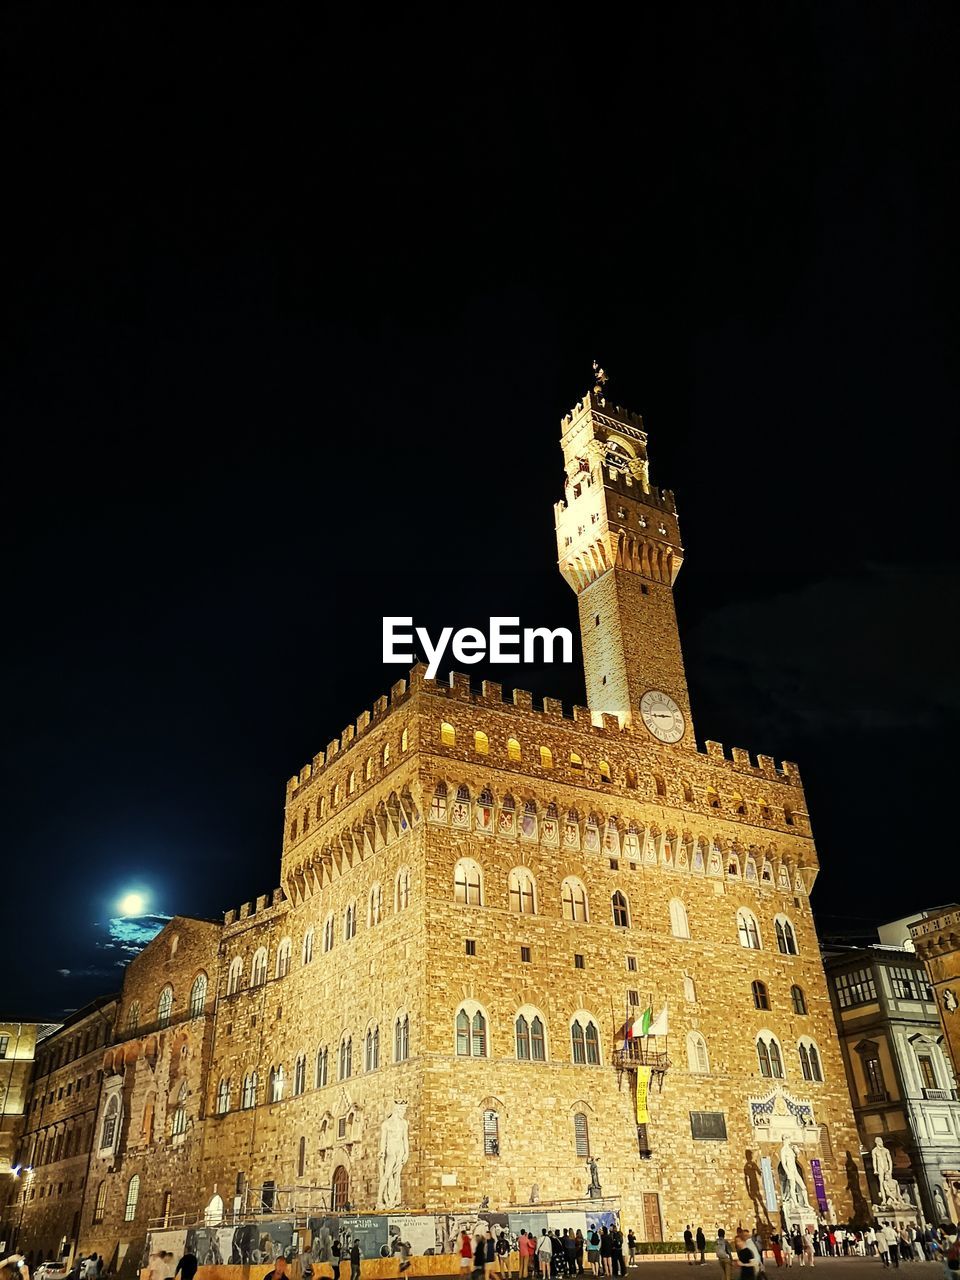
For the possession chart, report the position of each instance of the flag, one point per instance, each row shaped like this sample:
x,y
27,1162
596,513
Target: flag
x,y
642,1024
643,1088
658,1027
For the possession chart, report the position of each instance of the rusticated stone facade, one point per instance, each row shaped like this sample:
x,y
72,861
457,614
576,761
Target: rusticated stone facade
x,y
476,896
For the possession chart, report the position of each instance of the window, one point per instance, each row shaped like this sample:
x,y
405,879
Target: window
x,y
277,1080
259,971
698,1060
761,999
471,1033
713,799
869,1053
133,1021
769,1056
576,761
513,750
350,922
471,946
659,786
100,1203
679,924
708,1126
491,1133
927,1073
328,933
530,1038
631,964
798,1000
481,743
308,946
283,957
111,1118
522,892
402,889
198,995
180,1113
467,883
249,1094
385,755
302,1158
234,975
786,938
165,1007
133,1195
345,1063
810,1060
855,987
578,961
372,1049
574,900
368,769
621,912
321,1073
905,983
299,1075
747,930
581,1135
223,1097
585,1039
401,1038
546,758
603,768
448,735
405,740
525,955
374,906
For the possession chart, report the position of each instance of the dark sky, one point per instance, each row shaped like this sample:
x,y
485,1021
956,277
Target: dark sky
x,y
291,314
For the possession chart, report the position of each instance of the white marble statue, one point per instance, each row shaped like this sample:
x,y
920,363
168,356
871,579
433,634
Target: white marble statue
x,y
793,1188
890,1192
394,1153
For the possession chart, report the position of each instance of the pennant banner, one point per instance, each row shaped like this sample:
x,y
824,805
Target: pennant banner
x,y
643,1091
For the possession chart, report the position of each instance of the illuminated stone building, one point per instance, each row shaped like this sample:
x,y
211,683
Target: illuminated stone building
x,y
18,1043
476,895
936,937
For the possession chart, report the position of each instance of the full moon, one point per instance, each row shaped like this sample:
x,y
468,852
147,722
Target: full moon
x,y
132,904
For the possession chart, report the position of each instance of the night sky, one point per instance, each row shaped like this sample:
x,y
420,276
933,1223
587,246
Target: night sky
x,y
291,315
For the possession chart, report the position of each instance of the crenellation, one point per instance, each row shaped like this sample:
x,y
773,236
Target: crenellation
x,y
363,722
583,714
715,750
380,707
741,758
553,708
491,691
523,698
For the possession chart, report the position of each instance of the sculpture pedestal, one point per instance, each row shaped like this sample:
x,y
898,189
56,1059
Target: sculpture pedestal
x,y
799,1215
898,1215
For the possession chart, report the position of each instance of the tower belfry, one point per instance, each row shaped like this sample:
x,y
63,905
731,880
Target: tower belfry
x,y
619,549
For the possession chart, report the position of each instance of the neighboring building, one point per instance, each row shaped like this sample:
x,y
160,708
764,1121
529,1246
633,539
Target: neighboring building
x,y
18,1043
477,897
936,936
901,1079
54,1149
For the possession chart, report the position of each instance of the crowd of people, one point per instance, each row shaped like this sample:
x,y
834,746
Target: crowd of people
x,y
552,1254
891,1245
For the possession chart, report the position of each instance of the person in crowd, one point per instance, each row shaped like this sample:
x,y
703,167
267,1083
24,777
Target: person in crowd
x,y
277,1272
688,1244
593,1249
524,1243
187,1266
701,1243
747,1257
466,1252
578,1250
776,1248
502,1252
724,1255
631,1247
545,1255
354,1260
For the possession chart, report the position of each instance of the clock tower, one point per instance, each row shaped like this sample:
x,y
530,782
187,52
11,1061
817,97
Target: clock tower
x,y
619,548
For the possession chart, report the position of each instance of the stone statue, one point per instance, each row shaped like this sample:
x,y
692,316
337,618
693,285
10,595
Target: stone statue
x,y
601,379
394,1154
792,1187
213,1213
949,1000
594,1189
883,1167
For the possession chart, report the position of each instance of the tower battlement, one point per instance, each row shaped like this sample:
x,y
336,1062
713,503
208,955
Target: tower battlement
x,y
598,404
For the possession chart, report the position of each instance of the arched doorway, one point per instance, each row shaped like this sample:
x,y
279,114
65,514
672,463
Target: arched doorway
x,y
340,1196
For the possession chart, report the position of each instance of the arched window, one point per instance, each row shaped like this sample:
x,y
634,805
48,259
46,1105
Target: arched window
x,y
133,1016
621,912
372,1049
513,750
687,790
405,740
351,782
164,1009
659,786
585,1039
713,799
234,976
603,768
471,1026
368,769
468,883
679,924
100,1204
761,999
573,897
448,735
786,938
576,760
689,989
546,758
810,1060
531,1041
308,946
523,898
111,1118
581,1135
374,906
698,1060
283,957
385,755
180,1113
401,894
345,1062
223,1097
198,995
748,931
350,922
798,999
133,1195
277,1079
322,1064
300,1075
259,971
328,933
481,743
401,1038
249,1095
769,1055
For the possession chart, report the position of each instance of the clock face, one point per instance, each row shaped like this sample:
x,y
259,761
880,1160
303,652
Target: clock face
x,y
662,716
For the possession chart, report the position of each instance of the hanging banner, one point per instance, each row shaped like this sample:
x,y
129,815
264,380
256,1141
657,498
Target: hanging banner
x,y
819,1188
769,1186
643,1090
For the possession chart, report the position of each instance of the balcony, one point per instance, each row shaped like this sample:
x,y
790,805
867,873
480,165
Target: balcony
x,y
882,1096
940,1095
